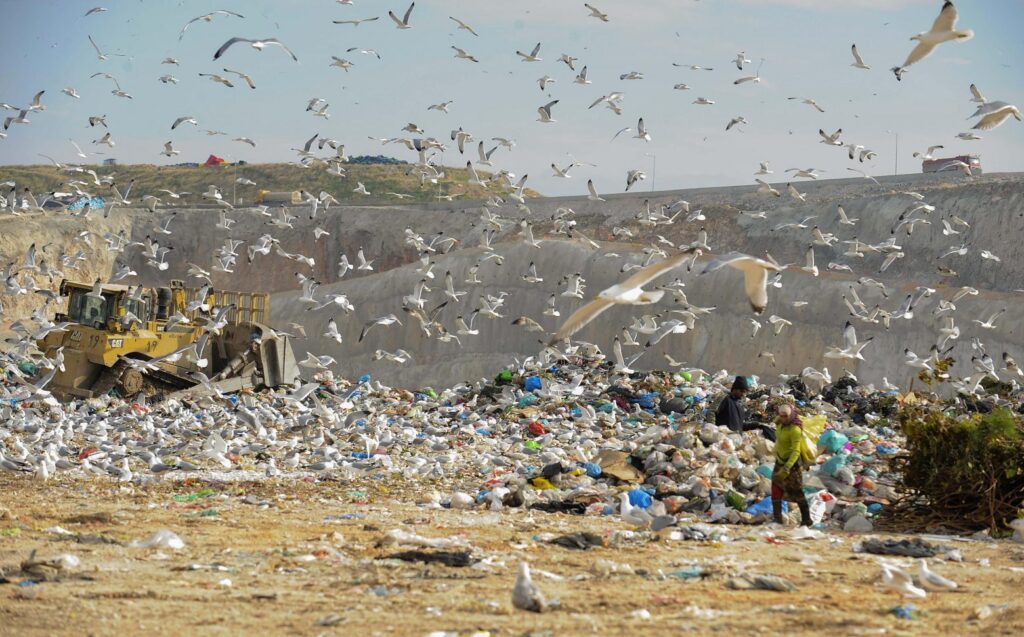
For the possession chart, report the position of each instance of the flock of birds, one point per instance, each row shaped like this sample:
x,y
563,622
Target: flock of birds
x,y
661,257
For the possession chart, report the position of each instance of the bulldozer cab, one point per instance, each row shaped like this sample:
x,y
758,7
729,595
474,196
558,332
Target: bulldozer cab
x,y
112,311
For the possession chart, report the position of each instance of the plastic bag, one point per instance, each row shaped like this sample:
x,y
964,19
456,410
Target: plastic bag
x,y
832,466
820,503
765,507
812,427
162,539
832,441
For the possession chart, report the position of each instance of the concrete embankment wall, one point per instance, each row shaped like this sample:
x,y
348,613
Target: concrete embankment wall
x,y
993,206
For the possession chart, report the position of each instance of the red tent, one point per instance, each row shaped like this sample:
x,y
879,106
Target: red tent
x,y
214,160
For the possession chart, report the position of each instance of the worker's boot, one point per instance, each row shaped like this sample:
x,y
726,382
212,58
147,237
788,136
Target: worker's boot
x,y
805,513
777,511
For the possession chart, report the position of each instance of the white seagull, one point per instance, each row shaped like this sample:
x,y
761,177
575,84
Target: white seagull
x,y
259,45
404,22
755,276
943,30
532,56
858,61
628,292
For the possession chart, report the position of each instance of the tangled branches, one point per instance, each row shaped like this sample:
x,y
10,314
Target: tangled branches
x,y
964,472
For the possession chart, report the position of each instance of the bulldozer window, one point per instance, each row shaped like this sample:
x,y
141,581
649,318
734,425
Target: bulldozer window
x,y
88,310
138,308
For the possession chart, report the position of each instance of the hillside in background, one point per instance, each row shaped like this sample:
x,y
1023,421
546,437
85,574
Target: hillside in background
x,y
379,179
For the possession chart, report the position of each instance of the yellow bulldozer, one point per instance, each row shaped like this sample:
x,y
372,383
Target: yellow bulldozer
x,y
132,339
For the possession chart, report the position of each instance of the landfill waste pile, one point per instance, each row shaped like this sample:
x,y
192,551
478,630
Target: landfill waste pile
x,y
573,437
507,479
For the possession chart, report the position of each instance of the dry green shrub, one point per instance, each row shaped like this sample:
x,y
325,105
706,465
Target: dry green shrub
x,y
965,472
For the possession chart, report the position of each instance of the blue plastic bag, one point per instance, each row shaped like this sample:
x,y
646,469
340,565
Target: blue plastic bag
x,y
531,383
640,498
834,464
765,506
832,440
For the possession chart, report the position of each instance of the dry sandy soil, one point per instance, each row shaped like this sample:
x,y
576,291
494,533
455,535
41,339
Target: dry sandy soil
x,y
301,558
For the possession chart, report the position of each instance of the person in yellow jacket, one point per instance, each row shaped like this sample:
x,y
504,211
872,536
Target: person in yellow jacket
x,y
787,477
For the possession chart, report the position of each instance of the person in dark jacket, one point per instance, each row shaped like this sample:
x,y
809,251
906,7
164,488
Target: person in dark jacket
x,y
730,412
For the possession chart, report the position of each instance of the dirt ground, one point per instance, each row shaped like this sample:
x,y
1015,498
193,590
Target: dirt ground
x,y
301,558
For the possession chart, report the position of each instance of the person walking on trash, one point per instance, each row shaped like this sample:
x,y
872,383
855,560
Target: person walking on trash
x,y
790,456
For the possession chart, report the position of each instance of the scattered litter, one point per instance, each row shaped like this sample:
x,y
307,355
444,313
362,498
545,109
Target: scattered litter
x,y
580,540
761,582
447,558
404,538
162,539
915,547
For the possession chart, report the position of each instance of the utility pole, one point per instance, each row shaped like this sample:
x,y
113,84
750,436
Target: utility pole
x,y
896,157
654,167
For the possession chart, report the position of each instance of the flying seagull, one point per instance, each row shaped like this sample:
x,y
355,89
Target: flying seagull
x,y
464,26
208,18
628,292
943,30
858,60
356,22
995,114
404,22
248,80
545,112
259,45
755,276
596,13
532,56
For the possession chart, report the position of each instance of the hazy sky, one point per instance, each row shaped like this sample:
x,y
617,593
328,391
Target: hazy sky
x,y
804,43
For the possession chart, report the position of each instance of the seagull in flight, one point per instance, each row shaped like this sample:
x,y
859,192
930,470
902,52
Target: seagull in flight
x,y
100,55
858,61
995,113
596,13
641,131
248,80
810,102
628,292
218,78
404,22
184,119
755,276
464,26
928,155
545,112
462,55
208,18
978,97
356,22
532,56
259,45
943,30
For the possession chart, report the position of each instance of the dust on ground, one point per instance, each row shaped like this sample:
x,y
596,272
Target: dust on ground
x,y
302,558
